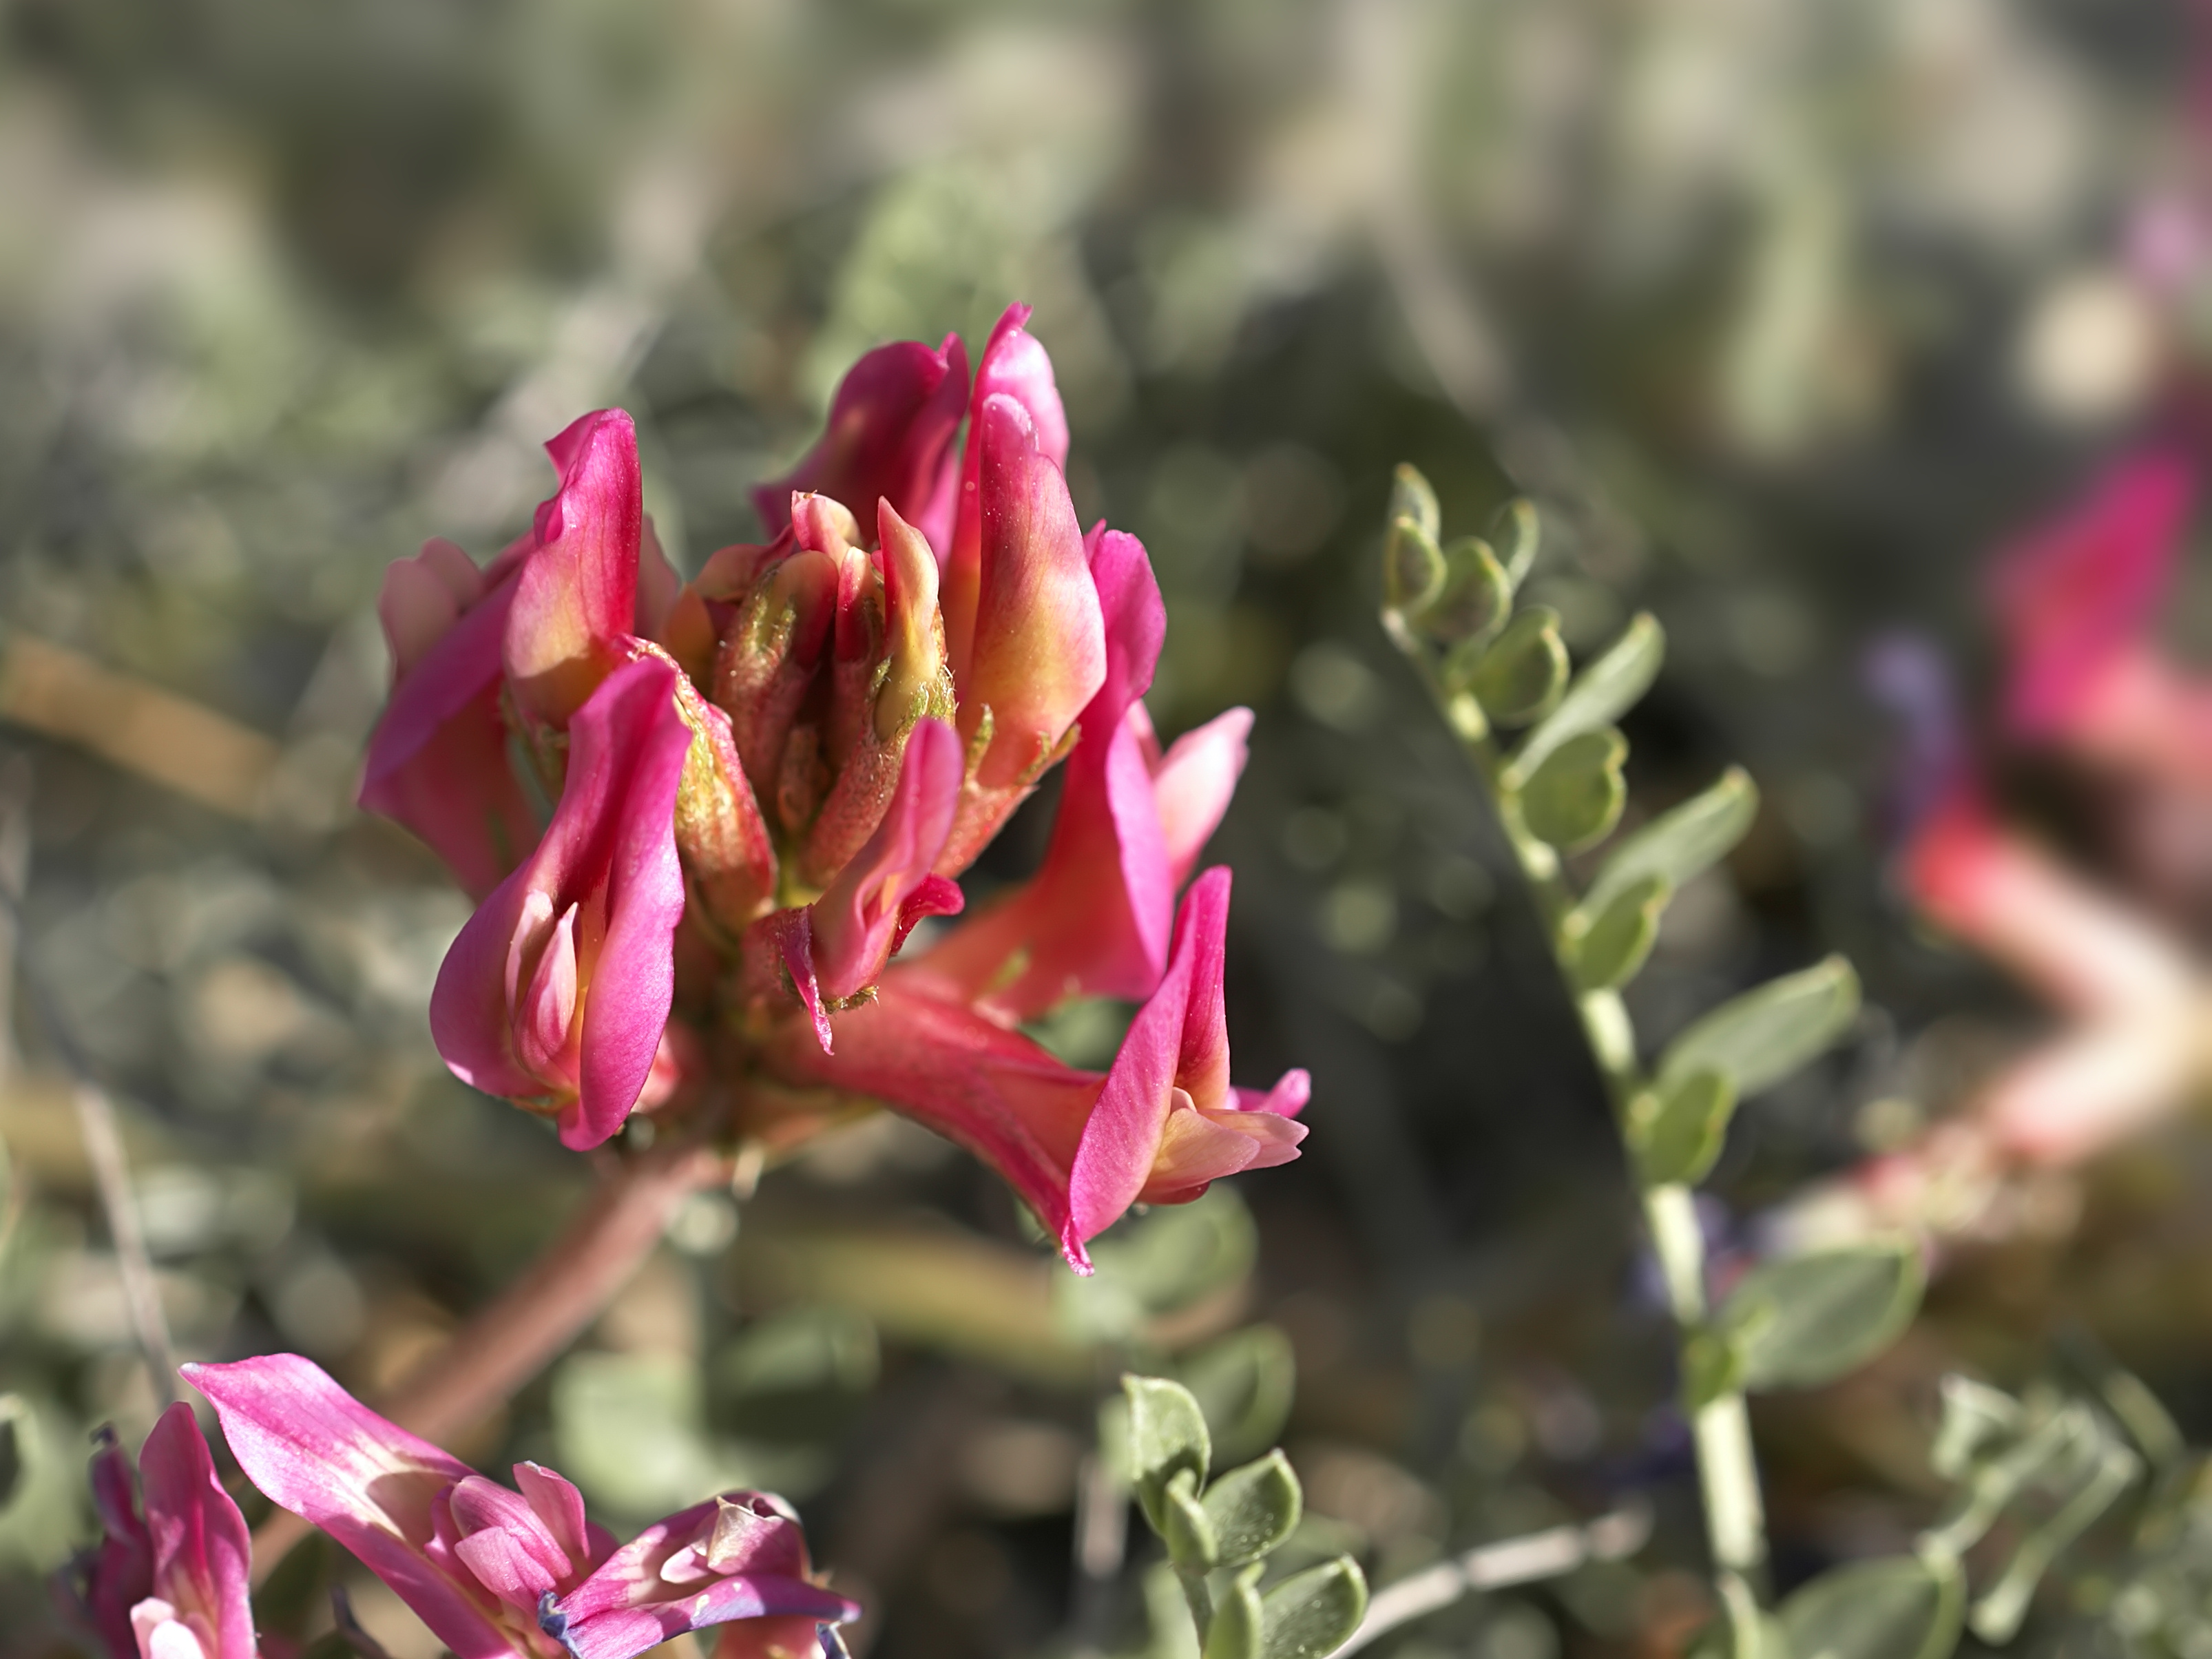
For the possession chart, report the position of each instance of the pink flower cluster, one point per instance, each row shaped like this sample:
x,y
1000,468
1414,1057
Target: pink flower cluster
x,y
764,778
495,1573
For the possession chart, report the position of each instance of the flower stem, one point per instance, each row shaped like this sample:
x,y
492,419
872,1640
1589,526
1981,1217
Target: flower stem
x,y
512,1339
1728,1471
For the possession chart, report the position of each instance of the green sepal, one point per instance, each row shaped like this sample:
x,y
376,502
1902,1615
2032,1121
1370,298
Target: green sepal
x,y
1167,1435
1254,1508
1611,944
1188,1531
1312,1614
1575,798
1522,675
1677,1129
1804,1319
1764,1034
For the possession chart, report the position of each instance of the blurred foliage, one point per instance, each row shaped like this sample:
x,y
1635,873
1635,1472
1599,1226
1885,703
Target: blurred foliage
x,y
1779,314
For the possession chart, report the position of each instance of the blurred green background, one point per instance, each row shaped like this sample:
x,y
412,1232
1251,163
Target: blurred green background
x,y
1785,314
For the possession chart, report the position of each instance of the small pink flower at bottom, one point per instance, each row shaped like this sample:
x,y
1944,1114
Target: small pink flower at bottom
x,y
168,1580
495,1571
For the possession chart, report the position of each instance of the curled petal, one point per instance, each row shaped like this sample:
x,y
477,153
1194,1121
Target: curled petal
x,y
201,1550
1036,652
1174,1066
437,763
610,855
502,1541
890,434
856,922
575,604
315,1451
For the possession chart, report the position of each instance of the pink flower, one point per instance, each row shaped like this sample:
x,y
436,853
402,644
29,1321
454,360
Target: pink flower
x,y
770,777
496,1572
2078,603
172,1584
1078,1146
558,988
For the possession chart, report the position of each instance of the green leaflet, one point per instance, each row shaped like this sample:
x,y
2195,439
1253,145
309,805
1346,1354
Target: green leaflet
x,y
1805,1320
1763,1036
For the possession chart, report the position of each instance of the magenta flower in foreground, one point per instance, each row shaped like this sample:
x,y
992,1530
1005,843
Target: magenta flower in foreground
x,y
496,1571
764,780
167,1580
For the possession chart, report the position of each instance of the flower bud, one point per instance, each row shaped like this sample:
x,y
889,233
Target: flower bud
x,y
575,605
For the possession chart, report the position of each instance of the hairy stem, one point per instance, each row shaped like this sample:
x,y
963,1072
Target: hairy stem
x,y
512,1339
1728,1471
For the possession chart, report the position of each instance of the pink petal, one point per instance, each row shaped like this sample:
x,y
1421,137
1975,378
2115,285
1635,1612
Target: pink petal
x,y
855,923
1036,651
437,762
162,1634
576,601
557,1503
317,1452
2088,588
504,1543
547,1012
610,850
201,1550
1014,365
793,935
1193,783
1197,1148
120,1573
889,434
992,1090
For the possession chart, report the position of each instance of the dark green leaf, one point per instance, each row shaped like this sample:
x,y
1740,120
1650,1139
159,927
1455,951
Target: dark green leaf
x,y
1605,691
1617,937
1521,677
1471,606
1676,1129
1681,842
1763,1036
1239,1622
1514,533
1254,1508
1903,1607
1167,1435
1574,797
1244,1384
1188,1529
1805,1320
1311,1614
